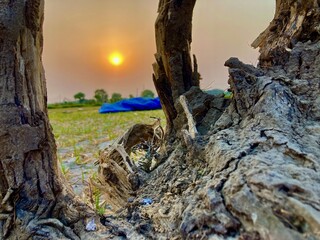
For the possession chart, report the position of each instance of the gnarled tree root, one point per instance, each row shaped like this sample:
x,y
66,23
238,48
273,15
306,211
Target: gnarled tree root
x,y
118,175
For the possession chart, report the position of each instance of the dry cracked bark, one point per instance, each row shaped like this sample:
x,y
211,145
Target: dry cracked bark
x,y
173,71
255,174
294,21
34,200
250,172
261,161
267,161
119,176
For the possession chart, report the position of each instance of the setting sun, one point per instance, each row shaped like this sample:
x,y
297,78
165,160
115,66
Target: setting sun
x,y
116,58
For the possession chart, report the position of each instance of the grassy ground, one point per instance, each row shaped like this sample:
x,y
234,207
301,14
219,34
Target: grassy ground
x,y
81,133
73,126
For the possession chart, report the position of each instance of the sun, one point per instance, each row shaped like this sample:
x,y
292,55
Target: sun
x,y
116,58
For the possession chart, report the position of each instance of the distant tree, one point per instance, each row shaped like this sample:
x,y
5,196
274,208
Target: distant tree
x,y
147,94
131,96
101,95
115,97
80,96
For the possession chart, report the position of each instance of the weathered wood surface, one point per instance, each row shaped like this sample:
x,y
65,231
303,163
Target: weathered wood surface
x,y
173,71
31,185
255,174
119,176
252,173
294,22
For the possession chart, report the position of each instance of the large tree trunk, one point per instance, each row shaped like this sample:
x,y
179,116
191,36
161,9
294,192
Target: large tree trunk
x,y
256,174
173,72
33,198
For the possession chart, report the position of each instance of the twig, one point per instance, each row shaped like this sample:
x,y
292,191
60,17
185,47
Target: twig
x,y
191,123
125,157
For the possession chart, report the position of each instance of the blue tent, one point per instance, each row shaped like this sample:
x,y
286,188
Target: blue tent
x,y
132,104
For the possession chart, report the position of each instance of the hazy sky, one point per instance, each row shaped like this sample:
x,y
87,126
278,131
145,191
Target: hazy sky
x,y
80,34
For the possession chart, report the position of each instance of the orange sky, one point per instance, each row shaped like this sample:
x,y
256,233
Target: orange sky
x,y
80,34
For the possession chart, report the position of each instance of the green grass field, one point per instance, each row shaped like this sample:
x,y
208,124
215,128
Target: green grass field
x,y
82,130
80,134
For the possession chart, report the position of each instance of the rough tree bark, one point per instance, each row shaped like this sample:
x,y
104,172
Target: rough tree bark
x,y
119,177
294,21
258,174
34,201
173,71
253,175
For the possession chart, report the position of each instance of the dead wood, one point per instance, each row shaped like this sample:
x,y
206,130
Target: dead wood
x,y
119,176
31,183
294,22
257,176
173,70
191,123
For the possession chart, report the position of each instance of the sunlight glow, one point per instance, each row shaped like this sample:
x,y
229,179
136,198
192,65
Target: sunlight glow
x,y
116,58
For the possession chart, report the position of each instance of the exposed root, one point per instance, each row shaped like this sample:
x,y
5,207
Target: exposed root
x,y
47,227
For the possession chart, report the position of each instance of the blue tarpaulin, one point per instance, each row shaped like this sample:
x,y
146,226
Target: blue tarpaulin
x,y
132,104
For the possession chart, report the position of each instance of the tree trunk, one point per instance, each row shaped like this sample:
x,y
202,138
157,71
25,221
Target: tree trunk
x,y
256,174
34,201
294,21
173,74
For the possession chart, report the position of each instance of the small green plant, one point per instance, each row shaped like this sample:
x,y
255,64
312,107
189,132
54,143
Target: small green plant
x,y
95,194
228,95
65,171
77,151
82,176
99,206
78,160
101,210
